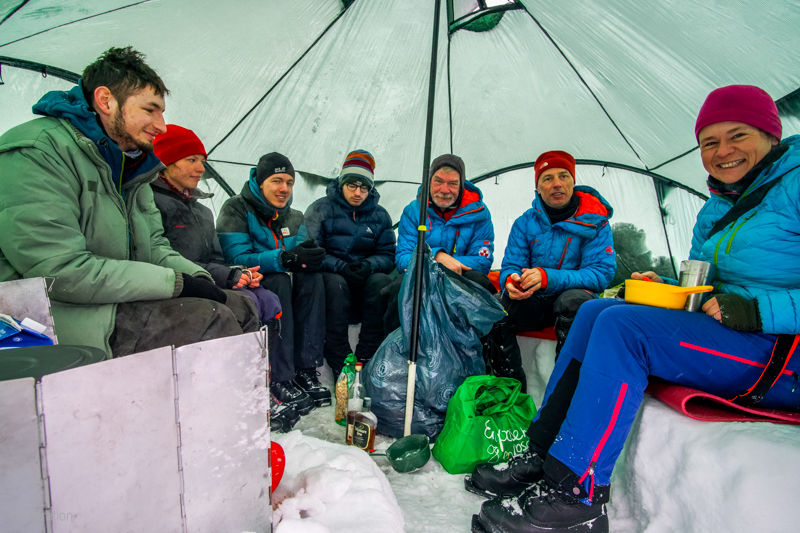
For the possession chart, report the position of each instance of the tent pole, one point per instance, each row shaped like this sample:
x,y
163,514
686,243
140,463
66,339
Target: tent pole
x,y
423,218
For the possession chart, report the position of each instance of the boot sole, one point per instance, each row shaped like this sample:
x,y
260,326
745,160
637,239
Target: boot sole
x,y
596,525
305,410
322,402
475,490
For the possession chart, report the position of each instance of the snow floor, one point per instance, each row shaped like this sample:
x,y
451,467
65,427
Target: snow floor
x,y
675,475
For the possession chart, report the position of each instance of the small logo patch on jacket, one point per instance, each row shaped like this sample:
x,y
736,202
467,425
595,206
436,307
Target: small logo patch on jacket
x,y
609,250
285,232
483,252
180,226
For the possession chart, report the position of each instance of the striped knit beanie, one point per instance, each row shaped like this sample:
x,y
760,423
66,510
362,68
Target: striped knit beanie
x,y
359,166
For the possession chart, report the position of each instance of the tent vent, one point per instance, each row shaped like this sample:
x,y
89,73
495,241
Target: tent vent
x,y
477,15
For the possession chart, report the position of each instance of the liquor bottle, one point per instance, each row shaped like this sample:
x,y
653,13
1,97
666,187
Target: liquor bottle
x,y
364,425
355,402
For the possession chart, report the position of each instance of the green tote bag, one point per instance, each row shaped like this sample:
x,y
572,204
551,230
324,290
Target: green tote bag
x,y
487,419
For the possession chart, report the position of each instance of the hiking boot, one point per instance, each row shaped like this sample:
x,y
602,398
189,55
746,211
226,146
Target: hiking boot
x,y
308,381
541,509
506,479
563,325
282,416
287,393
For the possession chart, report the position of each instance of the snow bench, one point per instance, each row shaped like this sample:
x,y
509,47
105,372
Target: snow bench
x,y
677,474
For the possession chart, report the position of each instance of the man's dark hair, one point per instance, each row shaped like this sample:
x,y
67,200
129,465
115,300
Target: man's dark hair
x,y
124,72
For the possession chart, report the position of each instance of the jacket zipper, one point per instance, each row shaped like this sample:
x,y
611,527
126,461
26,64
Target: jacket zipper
x,y
730,241
593,463
455,242
564,253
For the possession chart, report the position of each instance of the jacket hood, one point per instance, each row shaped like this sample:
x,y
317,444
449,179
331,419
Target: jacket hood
x,y
72,105
472,208
334,192
593,212
251,192
453,161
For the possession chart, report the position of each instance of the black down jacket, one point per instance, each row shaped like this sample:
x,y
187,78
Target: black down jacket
x,y
189,227
351,234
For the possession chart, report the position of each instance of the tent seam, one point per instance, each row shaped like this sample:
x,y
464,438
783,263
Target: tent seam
x,y
575,70
279,80
67,23
13,11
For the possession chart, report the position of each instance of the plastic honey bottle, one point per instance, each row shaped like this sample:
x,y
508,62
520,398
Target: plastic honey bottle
x,y
355,402
364,425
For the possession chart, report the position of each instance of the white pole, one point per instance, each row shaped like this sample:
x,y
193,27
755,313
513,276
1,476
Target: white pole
x,y
412,382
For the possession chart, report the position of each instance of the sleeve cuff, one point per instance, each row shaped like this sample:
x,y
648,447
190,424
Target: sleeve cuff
x,y
543,272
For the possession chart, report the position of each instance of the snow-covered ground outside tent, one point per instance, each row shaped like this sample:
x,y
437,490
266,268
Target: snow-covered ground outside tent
x,y
675,475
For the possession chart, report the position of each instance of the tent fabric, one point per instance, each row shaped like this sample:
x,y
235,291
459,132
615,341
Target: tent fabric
x,y
613,81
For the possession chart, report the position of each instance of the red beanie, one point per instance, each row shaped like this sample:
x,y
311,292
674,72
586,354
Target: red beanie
x,y
740,103
554,159
177,143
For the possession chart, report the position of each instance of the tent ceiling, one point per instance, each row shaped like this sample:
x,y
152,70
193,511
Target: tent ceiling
x,y
608,80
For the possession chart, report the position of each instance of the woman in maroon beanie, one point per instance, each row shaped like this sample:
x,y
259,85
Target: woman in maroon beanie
x,y
189,227
739,347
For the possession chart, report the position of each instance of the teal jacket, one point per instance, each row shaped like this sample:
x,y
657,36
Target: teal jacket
x,y
64,217
253,232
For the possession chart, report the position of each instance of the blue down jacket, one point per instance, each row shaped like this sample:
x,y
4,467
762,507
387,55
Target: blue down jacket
x,y
253,232
350,234
758,255
577,253
468,236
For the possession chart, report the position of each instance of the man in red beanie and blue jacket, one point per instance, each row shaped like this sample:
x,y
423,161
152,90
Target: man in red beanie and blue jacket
x,y
560,253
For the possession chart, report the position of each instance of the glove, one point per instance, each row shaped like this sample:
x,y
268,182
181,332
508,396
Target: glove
x,y
738,313
306,257
201,288
356,273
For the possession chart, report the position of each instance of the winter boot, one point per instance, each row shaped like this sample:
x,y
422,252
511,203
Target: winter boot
x,y
287,393
562,329
508,479
308,381
282,417
542,508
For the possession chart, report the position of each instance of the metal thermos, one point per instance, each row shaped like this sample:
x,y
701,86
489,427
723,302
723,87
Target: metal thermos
x,y
695,274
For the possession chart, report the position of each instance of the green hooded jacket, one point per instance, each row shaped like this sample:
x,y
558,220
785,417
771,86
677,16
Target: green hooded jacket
x,y
62,217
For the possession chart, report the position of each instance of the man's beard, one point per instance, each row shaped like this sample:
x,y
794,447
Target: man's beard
x,y
451,201
122,137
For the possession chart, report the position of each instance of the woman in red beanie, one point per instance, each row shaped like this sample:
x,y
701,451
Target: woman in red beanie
x,y
189,227
739,347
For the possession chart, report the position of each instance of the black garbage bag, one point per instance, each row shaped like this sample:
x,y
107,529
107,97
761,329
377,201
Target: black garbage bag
x,y
455,314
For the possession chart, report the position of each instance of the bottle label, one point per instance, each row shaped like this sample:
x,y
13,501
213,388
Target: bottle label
x,y
361,435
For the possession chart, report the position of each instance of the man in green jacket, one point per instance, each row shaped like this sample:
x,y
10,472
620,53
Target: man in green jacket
x,y
77,207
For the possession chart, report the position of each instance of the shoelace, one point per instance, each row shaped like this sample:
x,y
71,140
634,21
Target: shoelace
x,y
543,491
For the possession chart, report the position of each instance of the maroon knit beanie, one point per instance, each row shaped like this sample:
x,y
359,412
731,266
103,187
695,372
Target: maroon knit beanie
x,y
554,159
177,143
740,103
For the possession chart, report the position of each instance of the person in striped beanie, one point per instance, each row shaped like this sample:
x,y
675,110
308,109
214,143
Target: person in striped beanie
x,y
359,244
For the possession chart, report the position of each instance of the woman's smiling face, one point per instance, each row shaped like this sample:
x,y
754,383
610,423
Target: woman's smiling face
x,y
730,149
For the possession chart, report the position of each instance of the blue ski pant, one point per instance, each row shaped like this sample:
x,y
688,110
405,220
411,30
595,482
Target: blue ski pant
x,y
612,349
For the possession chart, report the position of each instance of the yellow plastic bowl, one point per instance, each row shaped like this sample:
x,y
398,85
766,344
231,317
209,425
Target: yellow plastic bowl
x,y
660,294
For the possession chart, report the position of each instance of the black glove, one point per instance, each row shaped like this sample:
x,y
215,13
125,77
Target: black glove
x,y
306,257
738,313
201,288
356,273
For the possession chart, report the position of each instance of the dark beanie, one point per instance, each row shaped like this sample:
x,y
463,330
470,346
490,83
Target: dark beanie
x,y
273,163
450,160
